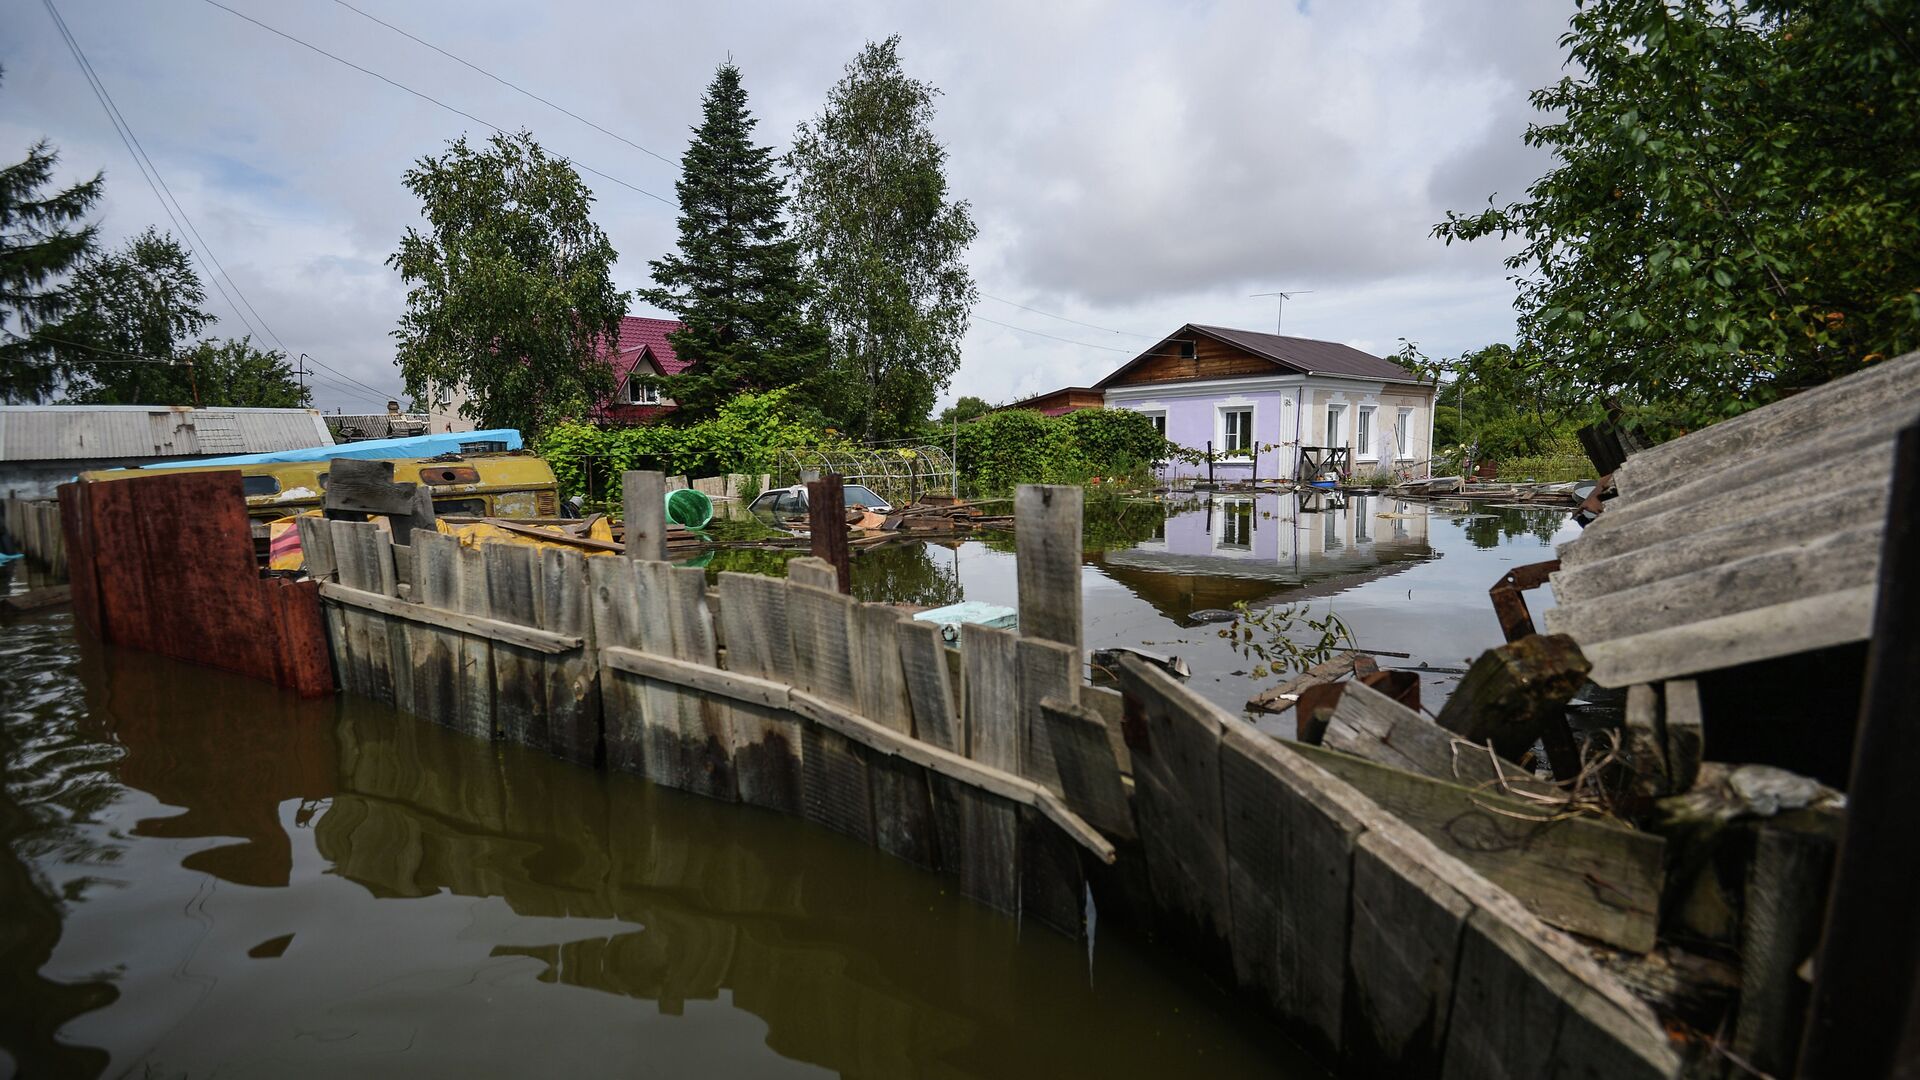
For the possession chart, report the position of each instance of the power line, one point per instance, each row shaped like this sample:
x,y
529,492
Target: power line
x,y
505,82
1063,318
426,97
140,162
1053,337
126,357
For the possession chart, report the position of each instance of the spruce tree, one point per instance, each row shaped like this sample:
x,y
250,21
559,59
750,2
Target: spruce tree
x,y
735,281
40,240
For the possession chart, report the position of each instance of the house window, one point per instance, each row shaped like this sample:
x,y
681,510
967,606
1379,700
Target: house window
x,y
1336,425
1403,435
1236,431
1159,422
1236,526
639,393
1363,433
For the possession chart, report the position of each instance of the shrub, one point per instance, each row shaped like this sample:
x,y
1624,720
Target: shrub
x,y
1020,446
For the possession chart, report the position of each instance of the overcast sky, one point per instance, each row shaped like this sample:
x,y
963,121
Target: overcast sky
x,y
1130,166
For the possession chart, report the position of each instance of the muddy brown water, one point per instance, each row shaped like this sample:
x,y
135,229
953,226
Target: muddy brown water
x,y
202,875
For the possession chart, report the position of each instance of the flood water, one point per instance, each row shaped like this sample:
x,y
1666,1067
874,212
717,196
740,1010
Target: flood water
x,y
201,875
1403,577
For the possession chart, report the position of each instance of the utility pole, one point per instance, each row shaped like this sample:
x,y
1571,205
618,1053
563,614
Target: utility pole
x,y
1281,304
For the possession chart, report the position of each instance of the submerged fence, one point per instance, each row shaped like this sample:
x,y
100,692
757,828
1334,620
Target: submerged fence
x,y
34,525
996,765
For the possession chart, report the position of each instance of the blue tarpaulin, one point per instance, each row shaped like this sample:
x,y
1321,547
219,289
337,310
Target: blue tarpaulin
x,y
414,446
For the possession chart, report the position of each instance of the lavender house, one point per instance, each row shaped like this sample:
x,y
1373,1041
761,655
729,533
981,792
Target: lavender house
x,y
1258,398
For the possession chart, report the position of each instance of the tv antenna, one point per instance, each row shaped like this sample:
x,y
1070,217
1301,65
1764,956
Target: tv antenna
x,y
1281,304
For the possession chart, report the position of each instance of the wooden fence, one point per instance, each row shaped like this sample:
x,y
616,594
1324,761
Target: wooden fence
x,y
993,763
34,525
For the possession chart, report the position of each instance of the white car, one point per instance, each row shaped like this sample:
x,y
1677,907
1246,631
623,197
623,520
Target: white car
x,y
792,501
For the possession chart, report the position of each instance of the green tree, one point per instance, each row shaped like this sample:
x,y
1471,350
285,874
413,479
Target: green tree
x,y
40,240
966,408
132,314
511,291
236,374
1506,402
885,244
735,282
1735,209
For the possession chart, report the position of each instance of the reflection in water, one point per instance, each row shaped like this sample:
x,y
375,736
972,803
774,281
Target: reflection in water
x,y
252,883
1268,549
899,573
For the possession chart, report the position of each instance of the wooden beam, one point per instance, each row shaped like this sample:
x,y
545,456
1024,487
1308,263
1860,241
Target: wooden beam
x,y
643,502
827,528
512,633
1047,518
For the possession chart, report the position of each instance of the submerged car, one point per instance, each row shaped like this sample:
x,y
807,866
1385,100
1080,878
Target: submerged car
x,y
792,501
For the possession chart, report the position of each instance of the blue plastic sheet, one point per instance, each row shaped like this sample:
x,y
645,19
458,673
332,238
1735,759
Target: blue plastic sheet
x,y
413,446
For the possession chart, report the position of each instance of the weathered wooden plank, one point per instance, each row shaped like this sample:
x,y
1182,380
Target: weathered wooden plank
x,y
833,775
1174,738
571,679
661,758
1371,725
1112,707
902,805
1600,880
1786,900
643,503
1828,564
531,639
1289,859
316,546
1280,698
366,487
816,572
827,528
706,737
520,702
989,851
356,660
1089,775
1403,952
1685,733
475,665
923,659
616,625
1053,889
1799,625
766,740
1047,518
436,587
1043,669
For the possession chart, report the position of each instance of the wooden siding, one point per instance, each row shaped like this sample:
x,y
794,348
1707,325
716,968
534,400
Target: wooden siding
x,y
1211,360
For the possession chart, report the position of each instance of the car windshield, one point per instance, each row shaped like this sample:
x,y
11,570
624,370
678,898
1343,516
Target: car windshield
x,y
861,495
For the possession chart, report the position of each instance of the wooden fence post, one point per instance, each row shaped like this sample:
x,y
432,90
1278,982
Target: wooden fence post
x,y
827,525
1046,526
643,503
1862,1020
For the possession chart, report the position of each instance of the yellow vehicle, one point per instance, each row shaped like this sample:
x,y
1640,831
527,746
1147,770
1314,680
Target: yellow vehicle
x,y
510,485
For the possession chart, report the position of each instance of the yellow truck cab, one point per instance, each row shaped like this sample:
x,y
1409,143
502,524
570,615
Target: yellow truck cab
x,y
506,485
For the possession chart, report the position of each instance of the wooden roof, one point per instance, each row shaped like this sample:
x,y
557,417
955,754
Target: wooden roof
x,y
1752,539
1295,355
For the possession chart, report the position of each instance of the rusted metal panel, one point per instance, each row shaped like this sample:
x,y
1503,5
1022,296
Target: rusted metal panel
x,y
116,432
1511,607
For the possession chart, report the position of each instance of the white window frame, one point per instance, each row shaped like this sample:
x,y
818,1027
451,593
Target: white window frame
x,y
1159,418
639,393
1222,512
1403,435
1336,418
1220,431
1364,433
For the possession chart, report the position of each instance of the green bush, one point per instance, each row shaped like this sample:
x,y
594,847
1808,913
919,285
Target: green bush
x,y
1020,446
745,436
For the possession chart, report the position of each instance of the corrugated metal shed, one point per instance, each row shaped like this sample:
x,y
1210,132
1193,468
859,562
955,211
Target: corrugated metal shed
x,y
1749,540
112,432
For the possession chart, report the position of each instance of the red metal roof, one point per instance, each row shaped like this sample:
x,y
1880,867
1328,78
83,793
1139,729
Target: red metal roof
x,y
646,337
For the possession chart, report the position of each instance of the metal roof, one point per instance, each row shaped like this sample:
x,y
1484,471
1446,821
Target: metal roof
x,y
1304,355
110,432
1755,538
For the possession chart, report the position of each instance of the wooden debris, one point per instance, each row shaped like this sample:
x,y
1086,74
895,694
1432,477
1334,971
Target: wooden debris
x,y
1370,725
1512,692
38,599
1278,699
826,515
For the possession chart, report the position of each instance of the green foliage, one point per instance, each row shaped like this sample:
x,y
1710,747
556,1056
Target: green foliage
x,y
1020,446
744,436
1735,209
735,281
40,240
1273,635
1552,468
966,408
511,294
1504,403
235,374
131,314
885,245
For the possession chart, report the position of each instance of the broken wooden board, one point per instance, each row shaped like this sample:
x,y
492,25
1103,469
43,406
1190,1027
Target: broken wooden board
x,y
1579,874
1511,692
1277,699
1371,725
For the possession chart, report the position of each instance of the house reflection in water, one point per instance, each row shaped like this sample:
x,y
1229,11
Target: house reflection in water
x,y
1269,549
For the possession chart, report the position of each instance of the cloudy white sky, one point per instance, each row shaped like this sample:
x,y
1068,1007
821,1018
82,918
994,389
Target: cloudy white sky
x,y
1131,166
